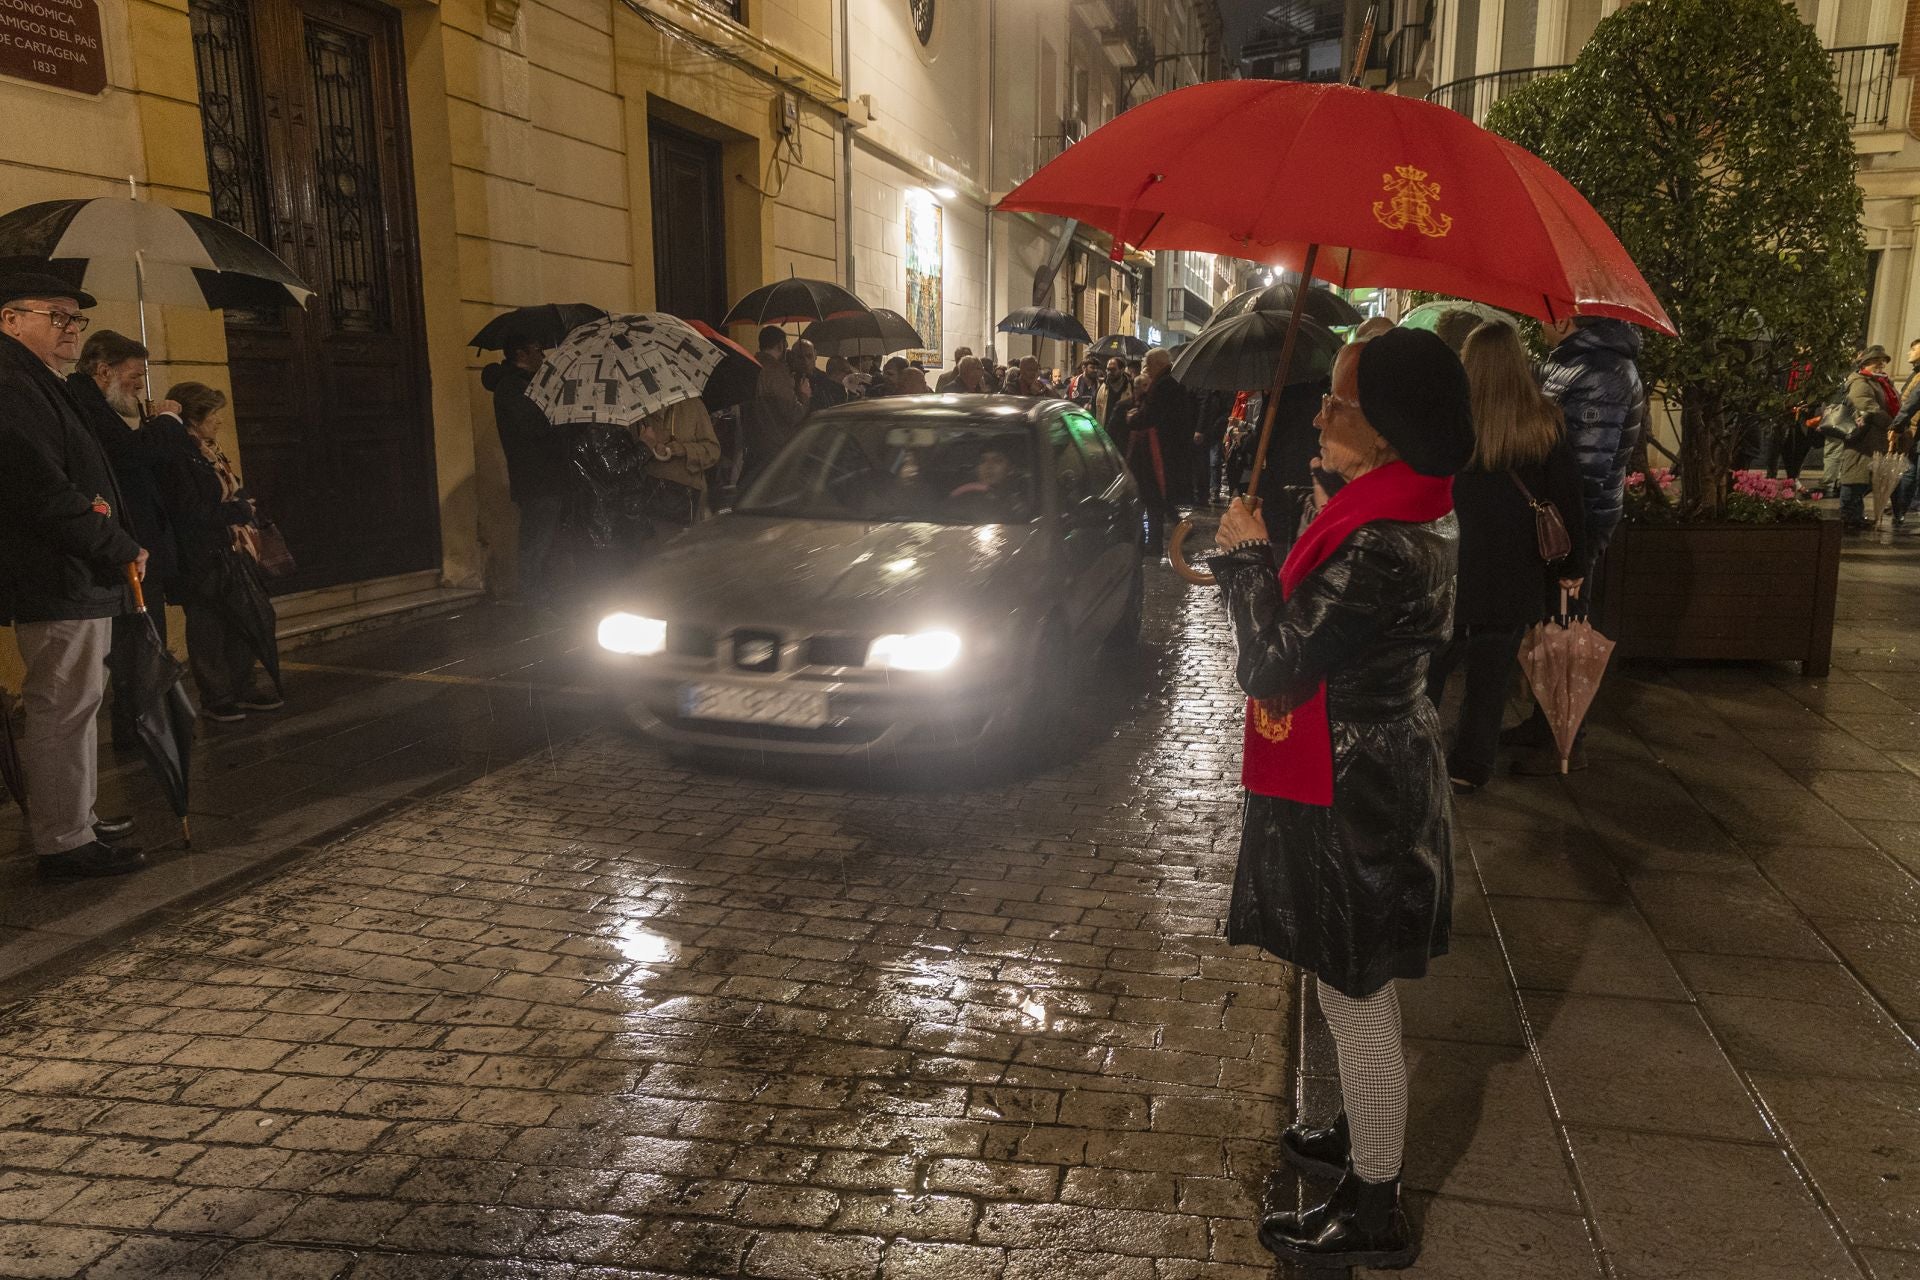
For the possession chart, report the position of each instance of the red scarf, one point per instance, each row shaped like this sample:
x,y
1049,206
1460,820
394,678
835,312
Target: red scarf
x,y
1289,753
1884,385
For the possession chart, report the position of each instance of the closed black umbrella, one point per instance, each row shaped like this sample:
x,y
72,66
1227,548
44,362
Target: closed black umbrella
x,y
10,771
1045,322
240,597
162,715
1327,307
1240,353
794,301
548,324
1123,345
878,333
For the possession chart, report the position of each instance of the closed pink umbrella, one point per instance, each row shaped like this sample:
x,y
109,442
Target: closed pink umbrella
x,y
1564,658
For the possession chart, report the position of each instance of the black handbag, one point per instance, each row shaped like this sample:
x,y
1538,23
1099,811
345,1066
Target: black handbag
x,y
1549,530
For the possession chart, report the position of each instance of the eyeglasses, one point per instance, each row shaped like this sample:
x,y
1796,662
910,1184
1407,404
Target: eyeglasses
x,y
62,320
1331,401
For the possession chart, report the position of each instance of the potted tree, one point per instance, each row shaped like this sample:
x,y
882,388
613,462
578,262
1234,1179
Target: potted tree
x,y
1712,137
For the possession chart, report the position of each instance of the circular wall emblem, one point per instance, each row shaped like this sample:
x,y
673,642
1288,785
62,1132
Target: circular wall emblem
x,y
922,19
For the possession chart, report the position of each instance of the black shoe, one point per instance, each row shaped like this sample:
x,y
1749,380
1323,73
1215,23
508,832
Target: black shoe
x,y
112,829
261,702
1362,1225
89,860
224,715
1318,1153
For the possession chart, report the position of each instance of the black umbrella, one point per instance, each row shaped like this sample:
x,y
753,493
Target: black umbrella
x,y
1241,352
162,717
133,251
1327,307
547,324
1045,322
794,301
878,333
239,596
10,771
1123,345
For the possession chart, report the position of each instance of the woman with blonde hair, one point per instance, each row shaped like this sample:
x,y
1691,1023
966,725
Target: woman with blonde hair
x,y
1522,467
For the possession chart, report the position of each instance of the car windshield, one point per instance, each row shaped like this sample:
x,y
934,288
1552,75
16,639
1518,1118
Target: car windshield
x,y
880,468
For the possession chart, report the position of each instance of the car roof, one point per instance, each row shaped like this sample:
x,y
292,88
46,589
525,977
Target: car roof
x,y
950,410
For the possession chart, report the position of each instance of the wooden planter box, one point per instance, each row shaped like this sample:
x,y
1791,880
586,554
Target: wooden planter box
x,y
1744,592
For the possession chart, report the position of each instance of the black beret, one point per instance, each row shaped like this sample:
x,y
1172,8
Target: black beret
x,y
16,285
1413,390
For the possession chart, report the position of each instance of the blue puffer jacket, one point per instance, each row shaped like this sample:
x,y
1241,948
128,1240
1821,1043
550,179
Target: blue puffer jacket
x,y
1593,378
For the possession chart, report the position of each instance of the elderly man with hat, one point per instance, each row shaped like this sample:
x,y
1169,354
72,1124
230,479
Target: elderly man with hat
x,y
65,542
1347,838
1871,397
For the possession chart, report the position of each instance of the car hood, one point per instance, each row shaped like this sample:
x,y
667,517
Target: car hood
x,y
833,575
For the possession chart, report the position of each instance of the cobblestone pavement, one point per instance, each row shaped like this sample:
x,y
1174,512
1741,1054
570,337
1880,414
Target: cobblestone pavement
x,y
598,1015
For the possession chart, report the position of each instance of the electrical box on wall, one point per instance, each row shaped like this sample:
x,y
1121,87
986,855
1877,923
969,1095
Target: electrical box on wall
x,y
787,115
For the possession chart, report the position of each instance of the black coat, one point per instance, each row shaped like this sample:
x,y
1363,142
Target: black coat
x,y
64,535
1287,484
1503,581
536,453
202,522
1360,892
137,458
1173,415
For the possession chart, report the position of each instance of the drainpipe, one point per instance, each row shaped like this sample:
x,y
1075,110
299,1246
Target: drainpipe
x,y
993,80
846,142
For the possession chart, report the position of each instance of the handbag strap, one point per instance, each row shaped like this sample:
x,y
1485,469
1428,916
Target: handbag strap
x,y
1521,485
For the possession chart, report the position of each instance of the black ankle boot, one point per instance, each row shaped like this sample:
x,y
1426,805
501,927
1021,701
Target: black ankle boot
x,y
1318,1153
1361,1225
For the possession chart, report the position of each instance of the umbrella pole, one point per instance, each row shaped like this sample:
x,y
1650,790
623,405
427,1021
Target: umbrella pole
x,y
140,295
1175,545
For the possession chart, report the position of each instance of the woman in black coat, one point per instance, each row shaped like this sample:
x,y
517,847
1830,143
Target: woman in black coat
x,y
1521,456
1346,848
230,623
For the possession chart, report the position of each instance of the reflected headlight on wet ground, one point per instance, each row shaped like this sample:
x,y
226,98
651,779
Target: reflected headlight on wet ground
x,y
630,633
917,651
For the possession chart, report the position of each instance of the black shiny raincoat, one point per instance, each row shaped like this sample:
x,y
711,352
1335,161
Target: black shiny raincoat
x,y
1361,892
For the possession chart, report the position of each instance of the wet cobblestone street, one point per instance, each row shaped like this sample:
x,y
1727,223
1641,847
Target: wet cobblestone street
x,y
599,1014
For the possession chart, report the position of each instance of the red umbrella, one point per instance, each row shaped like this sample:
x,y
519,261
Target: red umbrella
x,y
1394,191
1350,186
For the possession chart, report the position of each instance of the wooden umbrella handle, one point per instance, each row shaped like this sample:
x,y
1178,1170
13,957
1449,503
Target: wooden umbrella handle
x,y
1177,557
133,580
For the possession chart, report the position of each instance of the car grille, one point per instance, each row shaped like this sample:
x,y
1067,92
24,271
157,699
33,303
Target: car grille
x,y
836,651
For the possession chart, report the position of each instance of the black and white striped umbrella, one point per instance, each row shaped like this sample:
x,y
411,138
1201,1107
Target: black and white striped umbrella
x,y
618,370
135,251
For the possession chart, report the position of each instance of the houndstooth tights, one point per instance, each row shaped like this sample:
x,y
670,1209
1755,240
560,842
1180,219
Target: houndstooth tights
x,y
1373,1077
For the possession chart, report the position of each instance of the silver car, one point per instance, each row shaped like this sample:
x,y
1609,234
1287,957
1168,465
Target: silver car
x,y
910,575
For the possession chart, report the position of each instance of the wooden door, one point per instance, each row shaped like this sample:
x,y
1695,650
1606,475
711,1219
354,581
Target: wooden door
x,y
689,224
304,115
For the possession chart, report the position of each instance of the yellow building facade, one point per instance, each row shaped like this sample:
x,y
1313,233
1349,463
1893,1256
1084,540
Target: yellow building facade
x,y
424,166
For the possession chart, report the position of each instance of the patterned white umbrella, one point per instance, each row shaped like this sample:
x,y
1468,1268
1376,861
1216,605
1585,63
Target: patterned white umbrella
x,y
616,371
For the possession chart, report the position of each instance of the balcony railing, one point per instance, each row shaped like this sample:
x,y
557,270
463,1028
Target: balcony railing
x,y
1864,73
1475,96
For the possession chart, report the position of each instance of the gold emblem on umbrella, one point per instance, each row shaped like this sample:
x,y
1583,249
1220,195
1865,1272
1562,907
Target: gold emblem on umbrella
x,y
1411,204
1274,728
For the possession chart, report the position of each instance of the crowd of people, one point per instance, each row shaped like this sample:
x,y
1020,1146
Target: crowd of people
x,y
95,484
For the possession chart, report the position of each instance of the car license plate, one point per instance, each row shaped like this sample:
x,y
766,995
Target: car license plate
x,y
793,708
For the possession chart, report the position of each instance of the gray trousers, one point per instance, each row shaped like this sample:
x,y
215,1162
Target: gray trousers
x,y
59,749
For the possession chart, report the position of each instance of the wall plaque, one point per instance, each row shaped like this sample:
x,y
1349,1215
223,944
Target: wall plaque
x,y
53,42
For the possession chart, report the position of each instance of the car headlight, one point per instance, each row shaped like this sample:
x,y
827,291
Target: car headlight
x,y
631,633
918,651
